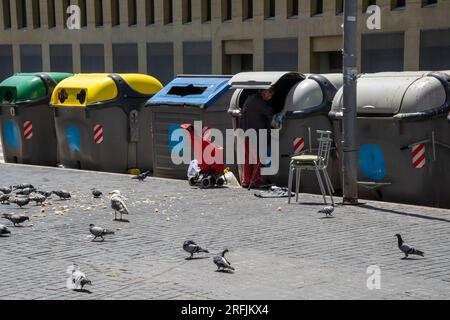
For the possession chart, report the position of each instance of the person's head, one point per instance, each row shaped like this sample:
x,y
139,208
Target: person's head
x,y
267,94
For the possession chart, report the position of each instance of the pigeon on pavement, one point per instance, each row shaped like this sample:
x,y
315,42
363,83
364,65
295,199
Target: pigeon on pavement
x,y
118,204
191,247
62,194
328,211
77,279
23,186
26,191
222,263
407,249
21,202
99,232
96,193
6,190
4,230
142,176
15,219
47,194
4,198
38,198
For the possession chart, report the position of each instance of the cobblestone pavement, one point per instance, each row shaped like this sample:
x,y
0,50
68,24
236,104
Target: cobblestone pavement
x,y
290,254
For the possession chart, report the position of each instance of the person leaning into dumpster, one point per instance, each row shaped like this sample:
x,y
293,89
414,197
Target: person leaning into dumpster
x,y
257,114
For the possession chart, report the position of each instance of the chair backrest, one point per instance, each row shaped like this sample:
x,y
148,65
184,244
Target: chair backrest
x,y
325,144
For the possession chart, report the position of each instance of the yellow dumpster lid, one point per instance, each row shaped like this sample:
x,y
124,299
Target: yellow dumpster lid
x,y
82,90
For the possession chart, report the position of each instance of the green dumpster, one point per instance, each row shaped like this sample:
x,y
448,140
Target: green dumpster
x,y
26,120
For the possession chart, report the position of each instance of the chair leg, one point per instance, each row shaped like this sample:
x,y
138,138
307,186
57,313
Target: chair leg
x,y
291,174
327,176
297,184
322,188
329,187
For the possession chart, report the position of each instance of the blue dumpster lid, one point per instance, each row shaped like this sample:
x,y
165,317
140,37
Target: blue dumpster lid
x,y
200,91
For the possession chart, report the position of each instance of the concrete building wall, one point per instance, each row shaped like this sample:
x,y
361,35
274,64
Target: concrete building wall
x,y
234,43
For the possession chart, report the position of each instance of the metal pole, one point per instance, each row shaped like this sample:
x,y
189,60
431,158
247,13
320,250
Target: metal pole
x,y
350,159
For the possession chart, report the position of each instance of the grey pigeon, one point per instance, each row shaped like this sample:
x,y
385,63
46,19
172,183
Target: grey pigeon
x,y
191,247
99,232
38,198
6,190
62,194
77,279
4,198
407,249
23,186
328,211
118,204
96,193
26,191
4,230
142,176
222,263
47,194
15,219
21,202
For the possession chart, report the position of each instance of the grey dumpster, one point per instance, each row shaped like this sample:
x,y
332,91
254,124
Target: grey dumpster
x,y
183,101
306,111
304,101
26,120
403,137
100,123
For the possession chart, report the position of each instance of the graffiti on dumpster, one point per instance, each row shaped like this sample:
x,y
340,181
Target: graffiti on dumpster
x,y
372,162
11,134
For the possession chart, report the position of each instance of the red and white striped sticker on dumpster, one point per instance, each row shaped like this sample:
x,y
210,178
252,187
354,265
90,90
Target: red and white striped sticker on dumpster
x,y
419,156
98,134
299,146
28,130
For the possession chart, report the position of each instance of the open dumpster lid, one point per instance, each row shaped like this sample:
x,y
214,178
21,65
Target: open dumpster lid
x,y
262,80
192,90
396,93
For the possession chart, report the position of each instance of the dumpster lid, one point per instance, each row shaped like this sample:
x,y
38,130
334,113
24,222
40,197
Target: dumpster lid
x,y
192,90
313,92
262,80
27,87
387,94
82,90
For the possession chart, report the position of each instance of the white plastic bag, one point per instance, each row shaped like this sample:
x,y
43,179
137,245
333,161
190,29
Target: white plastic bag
x,y
194,169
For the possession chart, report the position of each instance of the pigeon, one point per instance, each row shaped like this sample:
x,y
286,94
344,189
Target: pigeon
x,y
328,211
191,247
222,263
23,186
407,249
62,194
4,198
77,279
99,232
47,194
21,202
118,204
96,193
15,219
26,191
6,190
142,176
38,198
4,230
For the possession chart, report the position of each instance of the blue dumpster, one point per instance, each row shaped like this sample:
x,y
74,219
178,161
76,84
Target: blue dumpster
x,y
183,101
